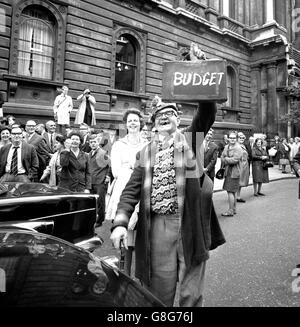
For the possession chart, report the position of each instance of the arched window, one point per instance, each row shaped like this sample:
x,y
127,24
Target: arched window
x,y
230,87
126,63
36,43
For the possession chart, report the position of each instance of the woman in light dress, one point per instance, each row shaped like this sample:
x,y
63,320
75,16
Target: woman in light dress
x,y
123,157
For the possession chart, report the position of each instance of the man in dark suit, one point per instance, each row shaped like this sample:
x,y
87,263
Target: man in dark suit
x,y
39,144
50,136
210,154
177,225
85,133
18,161
101,175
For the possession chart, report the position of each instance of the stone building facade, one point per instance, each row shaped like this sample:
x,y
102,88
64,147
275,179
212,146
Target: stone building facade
x,y
116,48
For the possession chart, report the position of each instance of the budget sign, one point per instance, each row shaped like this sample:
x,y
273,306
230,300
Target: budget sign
x,y
194,81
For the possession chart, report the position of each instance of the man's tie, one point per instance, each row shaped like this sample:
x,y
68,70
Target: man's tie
x,y
14,162
51,141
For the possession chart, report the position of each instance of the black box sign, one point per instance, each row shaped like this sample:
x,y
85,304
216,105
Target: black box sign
x,y
189,81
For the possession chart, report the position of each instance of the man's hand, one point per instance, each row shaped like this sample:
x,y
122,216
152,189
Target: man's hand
x,y
87,191
107,180
119,234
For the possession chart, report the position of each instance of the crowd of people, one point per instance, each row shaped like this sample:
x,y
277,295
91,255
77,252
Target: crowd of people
x,y
240,156
152,185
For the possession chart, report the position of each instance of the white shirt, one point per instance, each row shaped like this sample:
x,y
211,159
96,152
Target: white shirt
x,y
21,169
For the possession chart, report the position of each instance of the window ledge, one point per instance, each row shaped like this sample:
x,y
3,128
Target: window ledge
x,y
25,79
127,93
231,109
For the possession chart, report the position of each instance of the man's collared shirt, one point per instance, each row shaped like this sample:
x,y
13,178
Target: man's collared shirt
x,y
21,169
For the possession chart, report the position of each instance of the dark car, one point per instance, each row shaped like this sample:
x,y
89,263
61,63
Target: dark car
x,y
51,210
39,270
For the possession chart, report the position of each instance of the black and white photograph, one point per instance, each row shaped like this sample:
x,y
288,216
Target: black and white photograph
x,y
149,156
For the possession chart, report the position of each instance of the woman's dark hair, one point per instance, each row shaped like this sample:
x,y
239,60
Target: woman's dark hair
x,y
134,111
5,127
258,139
76,134
60,138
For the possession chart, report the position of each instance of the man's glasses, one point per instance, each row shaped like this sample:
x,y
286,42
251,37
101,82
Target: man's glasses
x,y
232,138
16,133
169,114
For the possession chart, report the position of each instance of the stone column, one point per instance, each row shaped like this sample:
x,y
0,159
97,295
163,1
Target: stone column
x,y
272,118
256,9
255,98
269,10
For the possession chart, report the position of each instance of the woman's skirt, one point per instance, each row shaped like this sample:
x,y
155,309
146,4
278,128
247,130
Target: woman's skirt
x,y
231,184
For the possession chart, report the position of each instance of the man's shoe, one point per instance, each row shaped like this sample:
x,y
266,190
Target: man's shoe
x,y
284,172
261,194
255,194
240,200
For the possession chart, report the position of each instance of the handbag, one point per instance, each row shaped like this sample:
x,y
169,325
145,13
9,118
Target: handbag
x,y
272,152
220,173
267,164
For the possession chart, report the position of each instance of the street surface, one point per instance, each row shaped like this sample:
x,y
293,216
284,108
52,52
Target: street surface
x,y
254,267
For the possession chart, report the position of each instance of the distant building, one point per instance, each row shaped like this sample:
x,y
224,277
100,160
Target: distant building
x,y
116,48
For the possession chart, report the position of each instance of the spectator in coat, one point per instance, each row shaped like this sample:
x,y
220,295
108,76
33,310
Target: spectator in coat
x,y
259,173
210,154
18,160
52,171
275,145
85,134
75,173
63,105
244,166
86,111
40,145
284,154
100,175
230,159
50,136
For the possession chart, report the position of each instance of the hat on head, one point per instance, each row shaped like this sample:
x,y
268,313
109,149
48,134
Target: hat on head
x,y
157,105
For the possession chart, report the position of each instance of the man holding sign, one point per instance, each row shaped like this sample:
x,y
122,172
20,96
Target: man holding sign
x,y
177,225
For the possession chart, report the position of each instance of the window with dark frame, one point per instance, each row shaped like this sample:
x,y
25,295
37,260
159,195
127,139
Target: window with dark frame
x,y
36,46
230,88
126,63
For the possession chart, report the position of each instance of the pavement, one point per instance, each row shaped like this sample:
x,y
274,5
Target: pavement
x,y
256,267
275,174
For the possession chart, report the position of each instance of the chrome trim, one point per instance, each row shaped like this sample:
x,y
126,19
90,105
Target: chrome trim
x,y
63,214
39,198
